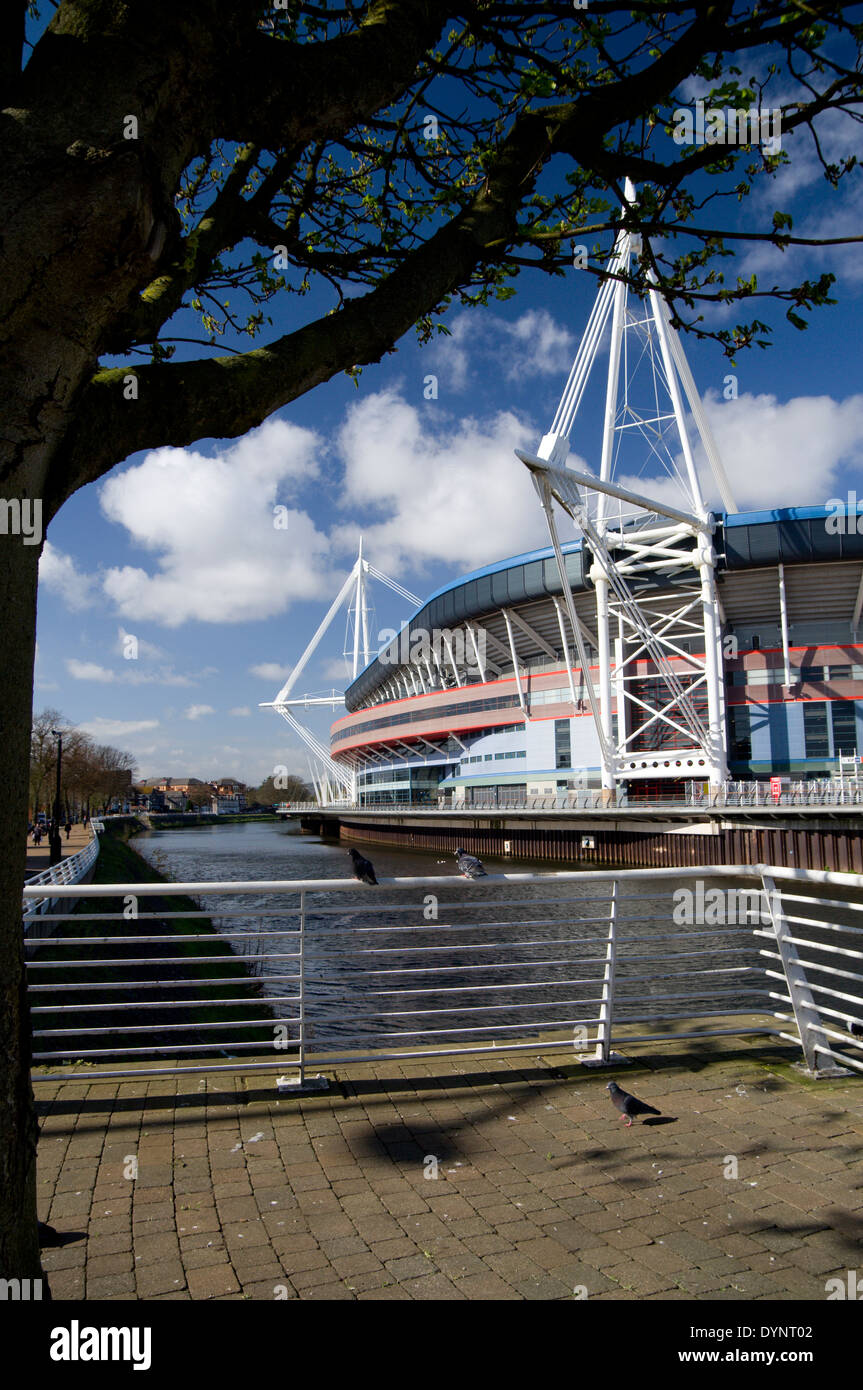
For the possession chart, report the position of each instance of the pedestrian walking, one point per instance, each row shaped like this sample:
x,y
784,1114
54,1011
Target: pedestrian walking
x,y
68,829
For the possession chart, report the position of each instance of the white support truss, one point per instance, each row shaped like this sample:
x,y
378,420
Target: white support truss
x,y
658,702
336,781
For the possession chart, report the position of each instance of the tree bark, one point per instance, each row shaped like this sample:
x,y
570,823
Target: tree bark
x,y
19,1242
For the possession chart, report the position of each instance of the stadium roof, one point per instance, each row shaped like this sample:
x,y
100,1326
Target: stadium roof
x,y
745,540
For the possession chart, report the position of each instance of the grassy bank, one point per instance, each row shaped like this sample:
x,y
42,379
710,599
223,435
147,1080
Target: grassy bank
x,y
177,820
196,974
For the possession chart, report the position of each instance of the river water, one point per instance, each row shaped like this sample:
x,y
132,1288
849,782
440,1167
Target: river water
x,y
390,967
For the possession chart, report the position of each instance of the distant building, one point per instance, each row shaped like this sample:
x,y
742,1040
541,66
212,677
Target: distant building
x,y
178,784
228,786
227,805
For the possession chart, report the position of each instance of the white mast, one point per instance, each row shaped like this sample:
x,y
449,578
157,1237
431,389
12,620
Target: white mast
x,y
635,539
354,593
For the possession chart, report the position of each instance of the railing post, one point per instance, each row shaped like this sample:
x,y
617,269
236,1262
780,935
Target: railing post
x,y
299,1083
603,1056
805,1009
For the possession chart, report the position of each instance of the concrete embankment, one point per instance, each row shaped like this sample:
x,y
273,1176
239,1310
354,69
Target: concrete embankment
x,y
674,839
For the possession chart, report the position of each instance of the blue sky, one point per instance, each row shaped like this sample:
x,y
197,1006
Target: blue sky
x,y
178,548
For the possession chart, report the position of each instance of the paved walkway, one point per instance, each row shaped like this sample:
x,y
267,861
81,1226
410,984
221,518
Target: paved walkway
x,y
540,1189
40,858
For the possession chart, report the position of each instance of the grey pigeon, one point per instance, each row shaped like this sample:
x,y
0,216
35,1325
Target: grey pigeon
x,y
469,865
855,1028
364,870
628,1105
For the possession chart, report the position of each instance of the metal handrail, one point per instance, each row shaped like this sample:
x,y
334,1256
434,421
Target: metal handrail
x,y
595,994
70,870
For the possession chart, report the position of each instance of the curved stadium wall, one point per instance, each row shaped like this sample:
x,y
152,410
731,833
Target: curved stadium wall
x,y
472,701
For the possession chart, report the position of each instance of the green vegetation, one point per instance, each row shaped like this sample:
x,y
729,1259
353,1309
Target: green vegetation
x,y
119,863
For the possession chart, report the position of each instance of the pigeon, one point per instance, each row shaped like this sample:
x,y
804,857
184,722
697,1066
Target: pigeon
x,y
628,1105
469,865
364,870
855,1028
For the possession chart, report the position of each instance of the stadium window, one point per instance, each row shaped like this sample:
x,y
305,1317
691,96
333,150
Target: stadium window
x,y
741,733
562,744
815,730
844,727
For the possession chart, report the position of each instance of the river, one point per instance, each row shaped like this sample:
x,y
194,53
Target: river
x,y
538,952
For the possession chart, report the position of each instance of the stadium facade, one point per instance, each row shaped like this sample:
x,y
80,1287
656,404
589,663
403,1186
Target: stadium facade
x,y
472,703
665,644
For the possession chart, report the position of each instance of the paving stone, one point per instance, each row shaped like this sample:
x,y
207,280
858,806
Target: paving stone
x,y
215,1282
165,1277
101,1265
314,1210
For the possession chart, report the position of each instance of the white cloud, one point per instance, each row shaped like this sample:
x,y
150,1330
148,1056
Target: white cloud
x,y
541,346
196,711
89,671
211,524
117,728
240,711
455,493
271,671
339,669
127,675
532,345
785,453
60,575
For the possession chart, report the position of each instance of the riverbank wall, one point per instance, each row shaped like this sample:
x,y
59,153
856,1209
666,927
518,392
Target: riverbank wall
x,y
832,842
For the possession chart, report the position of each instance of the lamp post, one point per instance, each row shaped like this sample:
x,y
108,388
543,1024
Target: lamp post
x,y
54,842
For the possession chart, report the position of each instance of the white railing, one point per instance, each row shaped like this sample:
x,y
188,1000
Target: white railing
x,y
69,870
442,966
733,795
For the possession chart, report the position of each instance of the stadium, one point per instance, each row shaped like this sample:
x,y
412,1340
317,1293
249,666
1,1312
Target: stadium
x,y
664,645
487,713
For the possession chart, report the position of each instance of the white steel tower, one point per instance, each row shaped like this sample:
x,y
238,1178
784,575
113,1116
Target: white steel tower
x,y
334,781
658,704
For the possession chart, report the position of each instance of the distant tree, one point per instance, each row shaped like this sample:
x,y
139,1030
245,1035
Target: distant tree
x,y
92,774
199,795
295,789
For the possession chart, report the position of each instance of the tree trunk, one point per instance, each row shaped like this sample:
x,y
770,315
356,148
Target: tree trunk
x,y
19,1241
